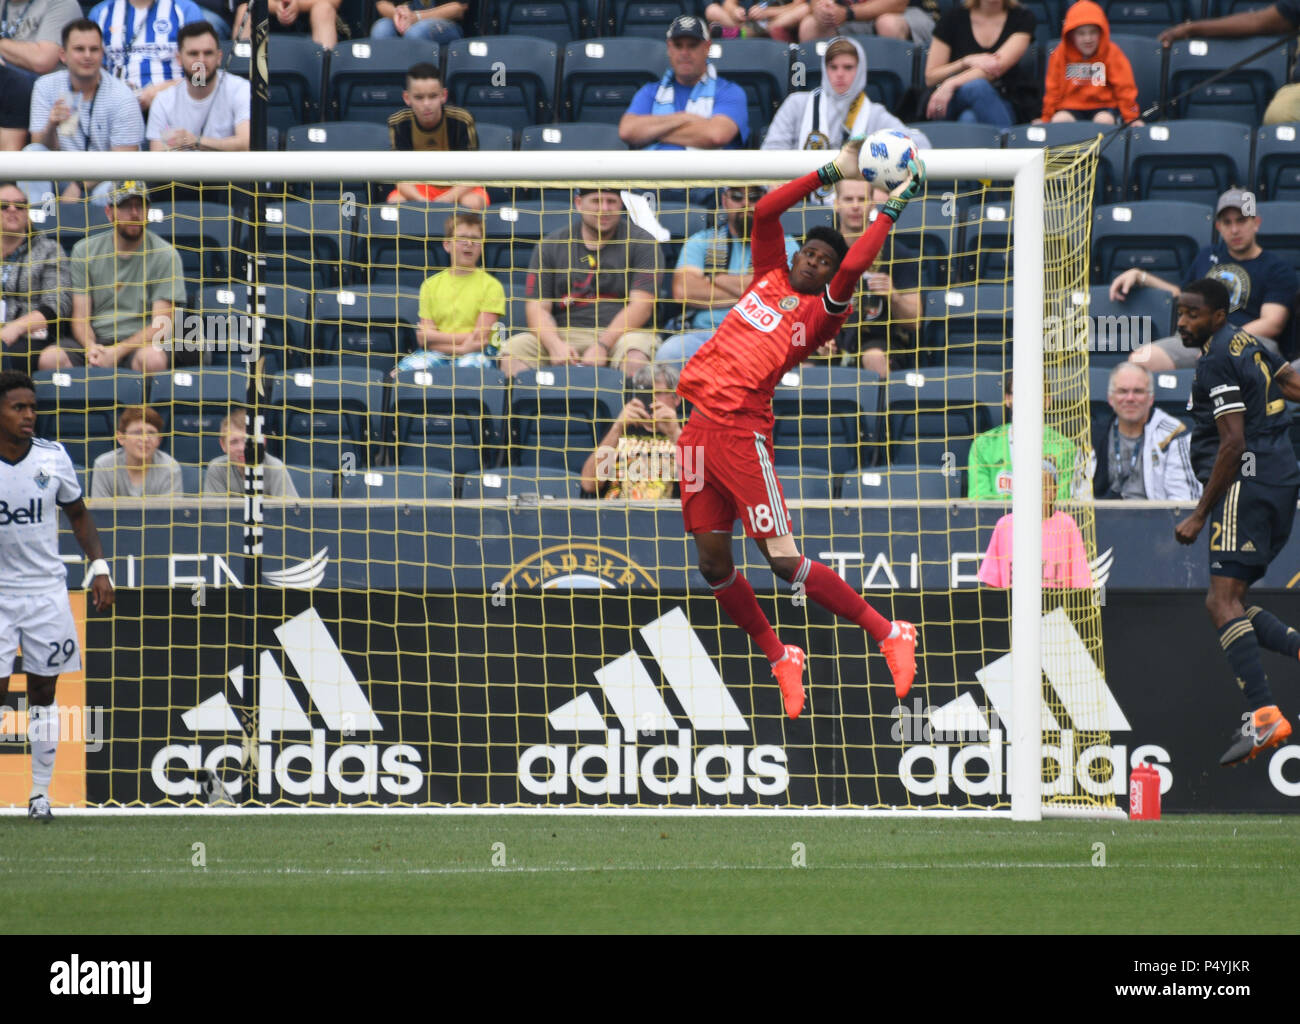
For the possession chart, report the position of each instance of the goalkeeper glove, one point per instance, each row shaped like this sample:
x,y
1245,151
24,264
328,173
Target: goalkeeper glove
x,y
897,201
845,165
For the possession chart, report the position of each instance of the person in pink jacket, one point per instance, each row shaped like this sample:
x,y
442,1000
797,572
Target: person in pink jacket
x,y
1088,76
1065,562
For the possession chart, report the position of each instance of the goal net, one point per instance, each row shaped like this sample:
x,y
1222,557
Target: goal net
x,y
418,604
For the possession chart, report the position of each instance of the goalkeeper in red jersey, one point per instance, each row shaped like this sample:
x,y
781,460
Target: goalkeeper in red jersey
x,y
725,452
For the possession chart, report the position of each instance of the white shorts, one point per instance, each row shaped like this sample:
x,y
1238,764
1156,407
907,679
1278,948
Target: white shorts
x,y
43,626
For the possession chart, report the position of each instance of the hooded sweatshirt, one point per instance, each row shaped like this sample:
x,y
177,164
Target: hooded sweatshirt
x,y
1103,80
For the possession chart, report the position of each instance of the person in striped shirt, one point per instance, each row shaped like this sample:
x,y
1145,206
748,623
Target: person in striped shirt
x,y
140,42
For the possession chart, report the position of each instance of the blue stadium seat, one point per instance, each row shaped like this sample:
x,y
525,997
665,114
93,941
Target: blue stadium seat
x,y
797,220
398,485
1279,230
935,416
310,244
682,221
1145,17
191,479
371,329
762,68
296,67
904,483
512,231
1219,8
1110,166
78,407
600,77
645,18
448,418
402,245
524,97
932,228
827,418
1117,328
558,414
192,404
284,330
967,323
985,243
495,138
1147,57
959,135
891,67
368,76
587,135
514,481
1277,162
801,483
1188,161
201,234
1239,96
327,414
332,136
560,21
1047,19
1161,238
313,484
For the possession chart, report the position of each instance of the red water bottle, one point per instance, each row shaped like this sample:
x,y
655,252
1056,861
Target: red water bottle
x,y
1144,793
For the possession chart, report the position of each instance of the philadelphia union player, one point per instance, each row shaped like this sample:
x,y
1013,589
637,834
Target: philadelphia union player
x,y
785,316
37,479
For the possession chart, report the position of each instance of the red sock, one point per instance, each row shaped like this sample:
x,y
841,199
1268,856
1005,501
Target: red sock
x,y
737,599
832,593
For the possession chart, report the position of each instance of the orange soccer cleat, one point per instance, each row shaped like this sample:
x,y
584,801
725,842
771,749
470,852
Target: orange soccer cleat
x,y
1266,728
900,656
789,676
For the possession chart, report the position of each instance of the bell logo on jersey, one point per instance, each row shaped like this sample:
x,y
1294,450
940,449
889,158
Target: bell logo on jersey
x,y
25,515
758,313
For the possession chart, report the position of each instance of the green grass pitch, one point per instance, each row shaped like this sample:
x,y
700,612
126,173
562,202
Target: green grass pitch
x,y
516,873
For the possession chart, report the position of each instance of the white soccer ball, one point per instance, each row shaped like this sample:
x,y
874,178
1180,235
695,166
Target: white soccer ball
x,y
884,156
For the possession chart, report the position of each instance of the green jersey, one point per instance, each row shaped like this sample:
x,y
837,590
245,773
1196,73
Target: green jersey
x,y
989,475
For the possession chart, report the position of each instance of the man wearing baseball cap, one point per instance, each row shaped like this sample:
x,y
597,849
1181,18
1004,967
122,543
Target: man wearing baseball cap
x,y
126,285
1261,285
690,107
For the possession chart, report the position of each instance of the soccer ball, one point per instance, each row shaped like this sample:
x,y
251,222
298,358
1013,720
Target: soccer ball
x,y
884,156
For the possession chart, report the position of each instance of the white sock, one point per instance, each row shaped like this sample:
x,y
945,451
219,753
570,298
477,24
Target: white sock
x,y
43,734
894,631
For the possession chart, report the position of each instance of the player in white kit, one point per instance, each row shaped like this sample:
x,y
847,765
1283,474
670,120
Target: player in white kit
x,y
37,479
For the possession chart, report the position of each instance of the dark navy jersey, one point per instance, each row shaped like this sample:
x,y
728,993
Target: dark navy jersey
x,y
1236,374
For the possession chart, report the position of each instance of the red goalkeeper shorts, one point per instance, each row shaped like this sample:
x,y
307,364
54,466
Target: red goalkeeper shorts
x,y
725,474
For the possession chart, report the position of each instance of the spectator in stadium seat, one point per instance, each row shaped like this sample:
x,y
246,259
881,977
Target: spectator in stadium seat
x,y
881,331
140,42
690,106
824,117
461,306
897,19
210,109
36,283
1088,77
82,107
136,468
1065,559
430,125
714,269
1281,18
591,292
989,465
30,37
225,473
974,65
1260,284
433,22
321,15
126,285
1141,451
637,458
739,19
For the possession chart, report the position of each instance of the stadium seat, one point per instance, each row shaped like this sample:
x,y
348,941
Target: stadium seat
x,y
1279,230
525,95
495,138
1188,161
448,418
985,245
600,77
69,222
798,220
645,18
681,221
1161,238
368,76
1117,328
827,419
192,404
560,21
284,331
1147,57
313,483
1047,19
1239,96
932,228
1146,17
397,485
904,483
327,414
78,407
559,414
1277,162
402,244
201,235
967,323
296,74
800,483
1110,166
512,231
310,244
759,66
373,329
333,136
587,135
519,481
891,67
1220,8
935,416
191,480
959,135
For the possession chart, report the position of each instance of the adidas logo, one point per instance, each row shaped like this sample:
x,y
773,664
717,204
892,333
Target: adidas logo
x,y
668,769
1248,546
1087,703
299,769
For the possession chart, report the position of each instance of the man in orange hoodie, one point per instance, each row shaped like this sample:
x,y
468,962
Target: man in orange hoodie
x,y
1088,76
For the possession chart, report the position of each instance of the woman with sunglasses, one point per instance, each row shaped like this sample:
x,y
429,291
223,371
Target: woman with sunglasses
x,y
35,284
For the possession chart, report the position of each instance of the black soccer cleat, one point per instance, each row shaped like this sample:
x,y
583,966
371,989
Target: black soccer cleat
x,y
1265,728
